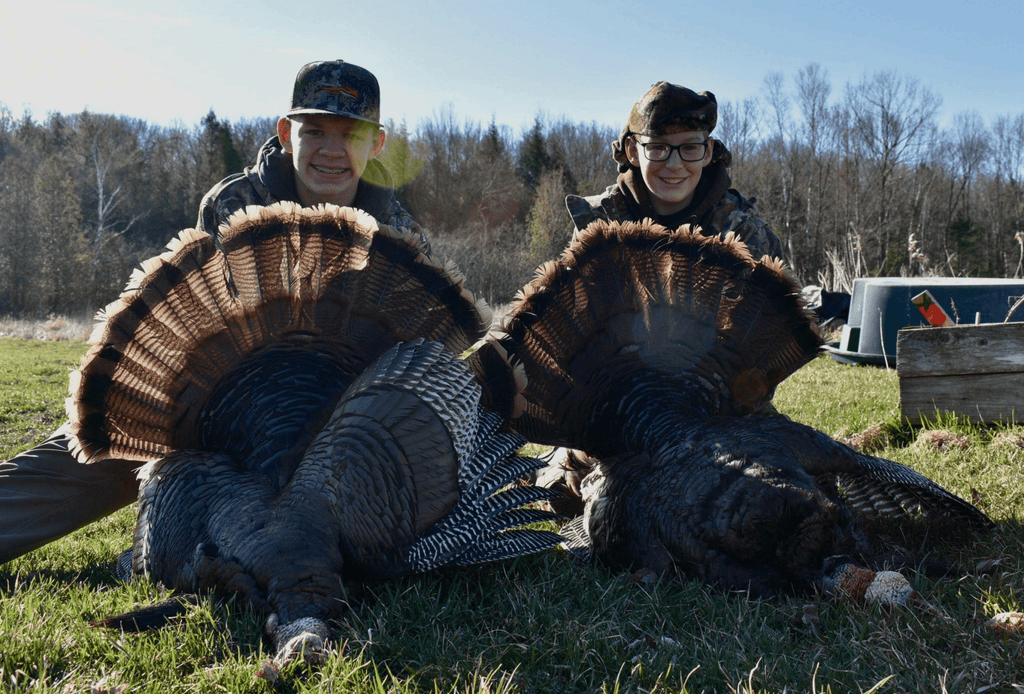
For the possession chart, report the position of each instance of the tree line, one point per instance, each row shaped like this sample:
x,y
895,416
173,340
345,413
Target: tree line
x,y
856,182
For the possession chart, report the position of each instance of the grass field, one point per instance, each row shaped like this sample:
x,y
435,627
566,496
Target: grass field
x,y
542,623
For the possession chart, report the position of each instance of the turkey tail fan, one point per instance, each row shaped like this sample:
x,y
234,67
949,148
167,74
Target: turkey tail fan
x,y
308,296
632,309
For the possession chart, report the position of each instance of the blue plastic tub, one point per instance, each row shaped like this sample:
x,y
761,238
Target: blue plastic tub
x,y
880,307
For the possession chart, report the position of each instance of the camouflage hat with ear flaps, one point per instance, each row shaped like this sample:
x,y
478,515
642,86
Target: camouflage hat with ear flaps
x,y
665,109
668,108
337,88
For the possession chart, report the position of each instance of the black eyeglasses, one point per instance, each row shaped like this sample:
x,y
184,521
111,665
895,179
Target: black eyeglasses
x,y
688,151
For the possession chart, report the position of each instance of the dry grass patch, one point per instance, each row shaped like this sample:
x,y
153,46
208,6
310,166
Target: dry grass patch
x,y
52,328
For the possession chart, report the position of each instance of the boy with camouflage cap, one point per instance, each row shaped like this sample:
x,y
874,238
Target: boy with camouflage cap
x,y
324,152
672,171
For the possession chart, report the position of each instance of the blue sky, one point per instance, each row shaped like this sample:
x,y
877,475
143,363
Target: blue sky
x,y
588,61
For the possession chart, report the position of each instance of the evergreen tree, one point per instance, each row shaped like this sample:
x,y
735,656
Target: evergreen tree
x,y
492,147
57,220
224,158
19,246
534,159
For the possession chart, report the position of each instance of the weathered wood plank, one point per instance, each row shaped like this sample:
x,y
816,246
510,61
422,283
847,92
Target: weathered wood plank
x,y
982,397
989,348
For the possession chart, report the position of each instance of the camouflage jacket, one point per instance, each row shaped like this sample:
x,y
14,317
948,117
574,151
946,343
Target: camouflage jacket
x,y
718,209
272,179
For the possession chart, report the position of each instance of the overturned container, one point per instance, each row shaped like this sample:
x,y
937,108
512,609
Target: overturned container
x,y
882,306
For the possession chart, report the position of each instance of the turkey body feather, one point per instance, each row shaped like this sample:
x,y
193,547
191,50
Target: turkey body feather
x,y
308,422
653,350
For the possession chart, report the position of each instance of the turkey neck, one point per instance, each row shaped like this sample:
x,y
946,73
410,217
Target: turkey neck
x,y
301,546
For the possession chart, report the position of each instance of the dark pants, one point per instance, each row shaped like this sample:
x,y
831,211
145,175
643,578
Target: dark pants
x,y
45,493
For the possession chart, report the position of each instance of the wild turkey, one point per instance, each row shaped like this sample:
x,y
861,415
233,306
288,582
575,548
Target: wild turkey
x,y
296,381
653,351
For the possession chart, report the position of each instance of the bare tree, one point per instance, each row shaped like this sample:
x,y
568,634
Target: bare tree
x,y
970,146
108,148
250,134
1008,147
967,147
783,148
467,182
892,119
1004,193
818,138
584,150
737,129
441,196
923,244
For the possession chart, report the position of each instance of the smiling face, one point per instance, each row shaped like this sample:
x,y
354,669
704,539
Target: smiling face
x,y
671,182
329,154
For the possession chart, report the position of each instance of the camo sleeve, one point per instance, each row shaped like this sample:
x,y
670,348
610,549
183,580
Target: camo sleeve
x,y
740,216
227,197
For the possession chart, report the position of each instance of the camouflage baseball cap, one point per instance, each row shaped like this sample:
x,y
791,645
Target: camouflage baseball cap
x,y
668,108
336,87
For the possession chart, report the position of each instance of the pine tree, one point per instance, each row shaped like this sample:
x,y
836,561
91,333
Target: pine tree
x,y
534,159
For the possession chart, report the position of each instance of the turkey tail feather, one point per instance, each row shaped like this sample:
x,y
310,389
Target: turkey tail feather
x,y
196,320
626,302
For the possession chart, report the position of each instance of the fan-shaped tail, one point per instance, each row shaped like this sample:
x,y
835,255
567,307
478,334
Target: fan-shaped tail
x,y
636,312
306,296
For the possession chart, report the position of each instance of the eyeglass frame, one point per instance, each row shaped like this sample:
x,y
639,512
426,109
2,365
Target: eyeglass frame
x,y
673,148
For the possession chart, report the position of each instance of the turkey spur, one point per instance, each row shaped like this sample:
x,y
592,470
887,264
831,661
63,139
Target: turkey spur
x,y
294,388
655,352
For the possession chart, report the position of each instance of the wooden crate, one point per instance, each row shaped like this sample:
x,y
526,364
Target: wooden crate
x,y
971,370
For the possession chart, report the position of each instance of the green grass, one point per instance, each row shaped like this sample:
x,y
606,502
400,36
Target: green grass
x,y
33,385
840,399
540,624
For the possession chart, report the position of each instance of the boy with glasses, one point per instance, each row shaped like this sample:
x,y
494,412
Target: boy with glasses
x,y
672,171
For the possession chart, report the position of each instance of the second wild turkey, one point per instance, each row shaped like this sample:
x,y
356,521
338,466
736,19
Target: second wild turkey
x,y
652,351
295,383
